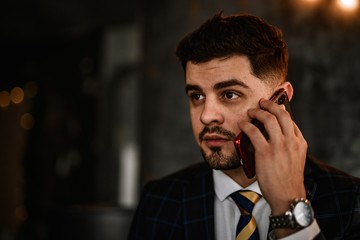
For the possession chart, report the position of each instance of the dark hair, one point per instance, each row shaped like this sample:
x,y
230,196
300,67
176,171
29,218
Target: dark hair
x,y
244,35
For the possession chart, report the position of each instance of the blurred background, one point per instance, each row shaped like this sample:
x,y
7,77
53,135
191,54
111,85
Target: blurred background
x,y
92,102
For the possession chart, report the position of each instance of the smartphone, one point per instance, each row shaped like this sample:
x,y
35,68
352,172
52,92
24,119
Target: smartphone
x,y
243,145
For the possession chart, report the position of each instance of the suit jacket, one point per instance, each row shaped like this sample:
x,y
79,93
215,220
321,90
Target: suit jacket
x,y
181,205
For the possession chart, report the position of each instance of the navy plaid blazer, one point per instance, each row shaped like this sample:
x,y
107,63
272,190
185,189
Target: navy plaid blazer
x,y
181,205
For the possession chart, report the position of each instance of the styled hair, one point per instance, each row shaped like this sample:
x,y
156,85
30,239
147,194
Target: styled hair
x,y
244,35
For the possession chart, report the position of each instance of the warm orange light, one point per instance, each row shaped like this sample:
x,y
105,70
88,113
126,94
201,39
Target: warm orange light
x,y
17,95
348,4
21,213
4,99
27,121
308,4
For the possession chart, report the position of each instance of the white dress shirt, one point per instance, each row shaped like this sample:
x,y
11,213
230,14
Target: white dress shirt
x,y
227,213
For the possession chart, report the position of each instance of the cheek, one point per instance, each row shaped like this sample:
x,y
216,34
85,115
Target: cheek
x,y
197,127
196,124
234,116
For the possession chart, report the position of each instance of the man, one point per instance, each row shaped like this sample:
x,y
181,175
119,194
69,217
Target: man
x,y
233,65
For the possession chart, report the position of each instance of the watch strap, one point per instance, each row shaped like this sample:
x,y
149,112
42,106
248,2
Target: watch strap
x,y
288,219
283,221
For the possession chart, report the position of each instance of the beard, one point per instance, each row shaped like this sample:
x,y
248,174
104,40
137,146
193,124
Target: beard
x,y
216,159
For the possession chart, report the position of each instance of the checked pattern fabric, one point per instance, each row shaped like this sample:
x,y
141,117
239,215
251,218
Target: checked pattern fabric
x,y
246,227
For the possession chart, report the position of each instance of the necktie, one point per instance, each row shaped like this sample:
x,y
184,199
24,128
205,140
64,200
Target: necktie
x,y
246,228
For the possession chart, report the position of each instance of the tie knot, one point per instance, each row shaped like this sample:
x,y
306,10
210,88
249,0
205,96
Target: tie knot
x,y
245,199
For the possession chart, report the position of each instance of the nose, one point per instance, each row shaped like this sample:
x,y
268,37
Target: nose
x,y
211,113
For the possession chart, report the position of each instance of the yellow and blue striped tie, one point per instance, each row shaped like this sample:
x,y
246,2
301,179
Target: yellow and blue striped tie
x,y
246,227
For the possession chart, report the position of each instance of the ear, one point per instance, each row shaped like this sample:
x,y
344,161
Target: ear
x,y
288,88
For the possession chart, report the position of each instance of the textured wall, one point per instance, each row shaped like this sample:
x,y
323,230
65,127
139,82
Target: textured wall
x,y
324,65
325,69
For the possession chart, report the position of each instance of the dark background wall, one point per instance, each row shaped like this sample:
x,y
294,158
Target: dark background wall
x,y
104,108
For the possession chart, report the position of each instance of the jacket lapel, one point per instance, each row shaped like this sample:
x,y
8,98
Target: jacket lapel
x,y
198,206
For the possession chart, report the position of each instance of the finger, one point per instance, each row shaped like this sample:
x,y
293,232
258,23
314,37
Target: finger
x,y
256,137
270,122
297,131
283,117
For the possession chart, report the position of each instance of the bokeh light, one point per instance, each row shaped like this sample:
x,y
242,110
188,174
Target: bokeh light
x,y
21,213
17,95
4,99
348,4
27,121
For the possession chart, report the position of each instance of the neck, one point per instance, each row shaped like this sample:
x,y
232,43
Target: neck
x,y
238,175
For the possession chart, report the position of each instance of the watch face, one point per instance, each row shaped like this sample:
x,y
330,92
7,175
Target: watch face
x,y
303,213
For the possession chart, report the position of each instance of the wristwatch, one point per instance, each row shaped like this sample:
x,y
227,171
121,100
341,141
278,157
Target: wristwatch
x,y
300,215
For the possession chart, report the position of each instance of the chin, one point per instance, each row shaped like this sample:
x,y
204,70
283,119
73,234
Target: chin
x,y
216,159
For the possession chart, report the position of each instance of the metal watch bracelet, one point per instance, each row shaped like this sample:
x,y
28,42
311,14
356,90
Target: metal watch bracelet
x,y
299,215
283,221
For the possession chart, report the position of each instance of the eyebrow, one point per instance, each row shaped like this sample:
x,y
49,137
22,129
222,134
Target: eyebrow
x,y
218,86
190,87
230,83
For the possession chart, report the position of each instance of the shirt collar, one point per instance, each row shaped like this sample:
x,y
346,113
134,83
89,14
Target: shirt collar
x,y
225,185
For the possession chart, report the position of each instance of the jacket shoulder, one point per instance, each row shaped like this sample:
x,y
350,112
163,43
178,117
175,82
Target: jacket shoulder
x,y
170,206
335,178
174,184
335,198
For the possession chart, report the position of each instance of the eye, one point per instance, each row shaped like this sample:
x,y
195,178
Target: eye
x,y
196,97
231,95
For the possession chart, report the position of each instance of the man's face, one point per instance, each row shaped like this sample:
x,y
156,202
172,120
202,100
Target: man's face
x,y
220,93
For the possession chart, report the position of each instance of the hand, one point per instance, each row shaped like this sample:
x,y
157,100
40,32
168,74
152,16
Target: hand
x,y
280,160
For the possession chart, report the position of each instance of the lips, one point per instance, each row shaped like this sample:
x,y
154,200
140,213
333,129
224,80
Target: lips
x,y
215,140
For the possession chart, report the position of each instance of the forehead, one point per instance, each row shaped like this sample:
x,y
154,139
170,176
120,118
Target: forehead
x,y
222,69
219,65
